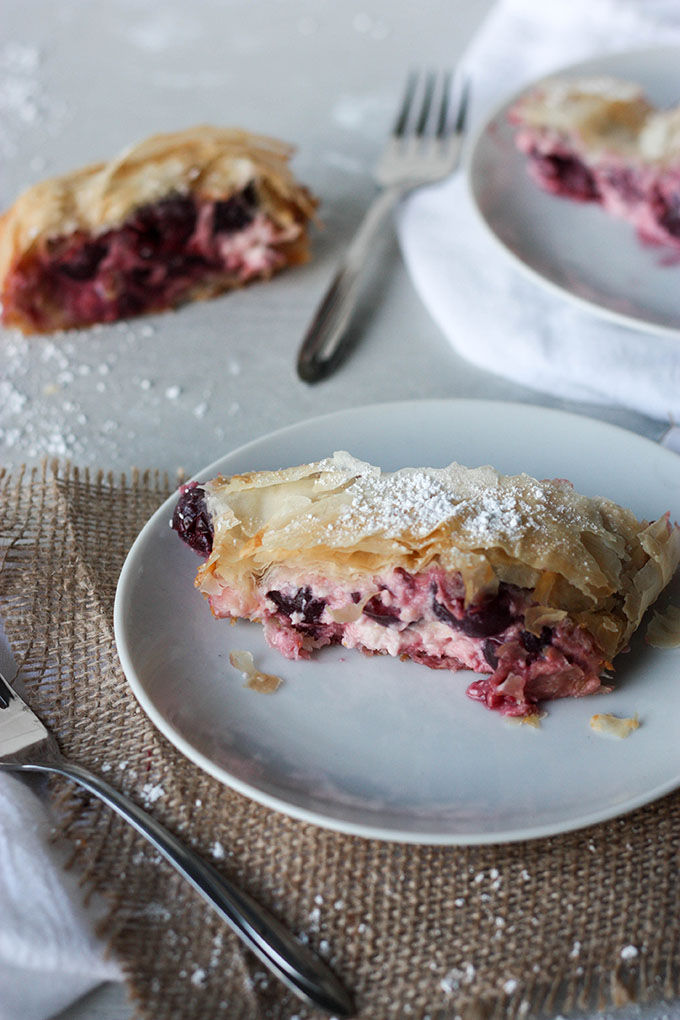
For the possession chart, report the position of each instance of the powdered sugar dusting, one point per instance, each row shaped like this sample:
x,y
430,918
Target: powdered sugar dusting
x,y
414,500
479,503
500,512
151,793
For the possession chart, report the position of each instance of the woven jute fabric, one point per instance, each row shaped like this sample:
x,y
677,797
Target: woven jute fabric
x,y
585,920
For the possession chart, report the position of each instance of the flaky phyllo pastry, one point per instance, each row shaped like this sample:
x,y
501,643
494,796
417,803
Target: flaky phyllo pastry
x,y
177,217
527,583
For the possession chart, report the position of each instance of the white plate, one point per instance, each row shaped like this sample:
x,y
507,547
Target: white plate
x,y
572,247
383,748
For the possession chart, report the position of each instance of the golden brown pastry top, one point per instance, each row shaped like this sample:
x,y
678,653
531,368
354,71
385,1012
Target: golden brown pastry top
x,y
209,162
341,518
601,114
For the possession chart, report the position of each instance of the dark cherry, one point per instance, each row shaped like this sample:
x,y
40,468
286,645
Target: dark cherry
x,y
250,194
130,303
574,178
236,212
408,579
139,275
535,643
81,261
444,614
164,226
489,649
191,520
668,214
483,620
376,610
490,618
301,602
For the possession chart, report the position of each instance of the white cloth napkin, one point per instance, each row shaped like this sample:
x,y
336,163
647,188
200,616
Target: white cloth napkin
x,y
48,954
493,315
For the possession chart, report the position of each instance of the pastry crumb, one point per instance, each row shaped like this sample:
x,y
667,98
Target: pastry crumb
x,y
533,720
263,683
613,726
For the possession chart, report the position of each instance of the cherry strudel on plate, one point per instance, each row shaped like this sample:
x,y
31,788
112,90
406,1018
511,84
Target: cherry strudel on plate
x,y
601,140
175,218
531,585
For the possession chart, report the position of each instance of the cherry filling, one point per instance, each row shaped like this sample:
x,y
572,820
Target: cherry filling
x,y
302,604
301,609
385,615
301,612
491,616
153,261
191,519
520,668
667,213
235,213
623,182
648,199
564,175
535,643
423,617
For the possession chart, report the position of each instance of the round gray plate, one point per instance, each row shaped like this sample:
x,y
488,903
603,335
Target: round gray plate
x,y
572,247
390,749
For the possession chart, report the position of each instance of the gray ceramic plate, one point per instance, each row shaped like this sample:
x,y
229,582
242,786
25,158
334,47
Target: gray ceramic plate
x,y
390,749
578,249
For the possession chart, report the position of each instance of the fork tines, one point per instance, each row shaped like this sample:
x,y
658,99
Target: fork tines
x,y
435,105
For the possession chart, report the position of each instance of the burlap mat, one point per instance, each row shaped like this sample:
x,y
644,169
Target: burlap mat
x,y
584,920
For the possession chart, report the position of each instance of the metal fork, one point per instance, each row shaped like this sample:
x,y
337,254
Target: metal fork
x,y
27,746
424,147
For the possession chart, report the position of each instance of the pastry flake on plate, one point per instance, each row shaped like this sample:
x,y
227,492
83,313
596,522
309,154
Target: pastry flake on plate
x,y
526,582
175,218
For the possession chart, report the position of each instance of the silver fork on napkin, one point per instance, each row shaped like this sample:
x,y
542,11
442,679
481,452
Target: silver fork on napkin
x,y
27,746
424,147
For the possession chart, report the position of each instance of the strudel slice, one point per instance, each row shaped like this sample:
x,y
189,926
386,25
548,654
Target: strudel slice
x,y
531,585
175,218
601,140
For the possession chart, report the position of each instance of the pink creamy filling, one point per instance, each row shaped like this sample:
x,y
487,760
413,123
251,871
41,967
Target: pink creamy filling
x,y
423,617
648,197
156,259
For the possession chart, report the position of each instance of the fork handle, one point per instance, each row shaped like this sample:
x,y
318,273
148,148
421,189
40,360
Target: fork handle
x,y
323,343
294,964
